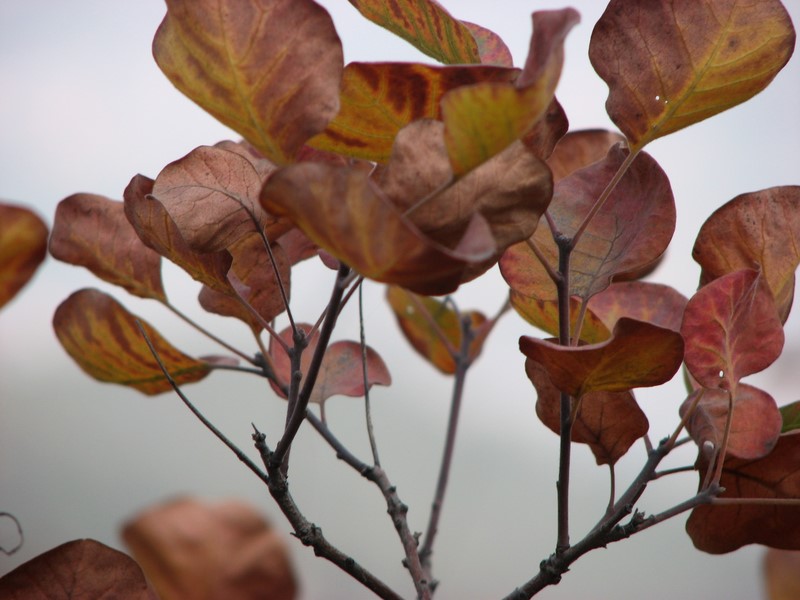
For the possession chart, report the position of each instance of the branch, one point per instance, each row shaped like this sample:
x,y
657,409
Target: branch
x,y
367,407
562,285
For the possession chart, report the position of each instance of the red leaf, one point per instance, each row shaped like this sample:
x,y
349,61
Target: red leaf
x,y
642,300
23,246
579,149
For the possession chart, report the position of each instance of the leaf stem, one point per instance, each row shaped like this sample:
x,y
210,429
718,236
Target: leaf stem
x,y
367,406
565,446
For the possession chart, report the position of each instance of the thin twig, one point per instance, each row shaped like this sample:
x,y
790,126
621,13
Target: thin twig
x,y
565,445
725,438
367,407
208,334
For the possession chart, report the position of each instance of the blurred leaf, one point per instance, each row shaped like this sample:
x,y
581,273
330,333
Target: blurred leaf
x,y
756,422
671,64
720,529
491,47
543,138
426,25
637,355
379,99
731,330
579,149
23,247
190,549
268,69
544,315
77,569
92,231
790,415
782,574
756,230
102,337
641,300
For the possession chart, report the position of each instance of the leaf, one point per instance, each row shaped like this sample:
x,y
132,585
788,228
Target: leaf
x,y
720,529
77,569
379,99
483,119
191,549
426,25
755,426
23,247
641,300
342,211
102,337
579,149
609,422
790,415
491,47
544,315
731,330
669,65
543,138
631,231
425,320
758,230
782,574
268,69
341,372
91,231
638,354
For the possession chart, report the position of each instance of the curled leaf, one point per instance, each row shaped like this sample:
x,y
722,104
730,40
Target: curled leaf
x,y
23,247
491,47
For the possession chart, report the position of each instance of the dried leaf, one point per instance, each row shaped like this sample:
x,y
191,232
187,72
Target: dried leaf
x,y
579,149
544,315
103,338
671,64
782,574
92,231
543,138
190,549
268,69
491,47
23,247
642,300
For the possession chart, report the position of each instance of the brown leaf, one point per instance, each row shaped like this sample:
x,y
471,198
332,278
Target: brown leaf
x,y
77,569
543,138
782,574
579,149
23,246
269,69
642,300
190,549
544,315
92,231
759,230
102,337
671,64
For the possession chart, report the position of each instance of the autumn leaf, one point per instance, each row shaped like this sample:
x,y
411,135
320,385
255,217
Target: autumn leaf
x,y
268,69
642,300
103,338
92,231
790,415
782,574
579,149
547,131
77,569
732,330
669,65
759,230
544,315
23,247
491,47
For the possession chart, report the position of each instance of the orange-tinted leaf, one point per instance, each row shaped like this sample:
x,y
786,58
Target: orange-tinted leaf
x,y
491,47
77,569
756,230
630,232
671,64
642,300
426,25
342,211
379,99
158,231
544,315
782,574
425,320
23,246
483,119
790,415
720,529
579,149
92,231
637,355
756,422
732,330
102,337
190,549
609,422
268,69
341,372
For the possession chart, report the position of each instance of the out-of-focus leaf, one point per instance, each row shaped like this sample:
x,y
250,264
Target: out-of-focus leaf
x,y
102,337
542,139
544,315
190,549
379,99
671,64
483,119
732,330
23,247
756,422
423,322
77,569
642,300
790,415
341,372
782,574
426,25
630,232
92,231
269,69
720,529
638,354
579,149
756,230
609,422
342,211
491,47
